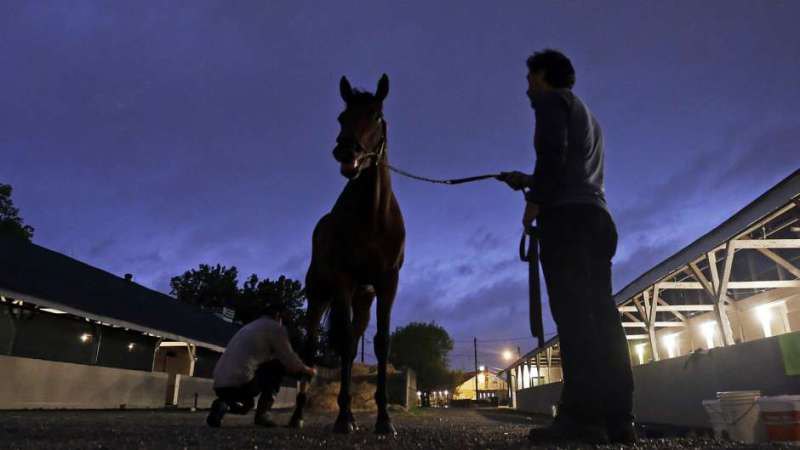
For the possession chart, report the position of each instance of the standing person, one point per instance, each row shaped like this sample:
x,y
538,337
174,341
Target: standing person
x,y
254,362
578,238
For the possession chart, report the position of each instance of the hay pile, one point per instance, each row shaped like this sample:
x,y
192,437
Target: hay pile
x,y
324,391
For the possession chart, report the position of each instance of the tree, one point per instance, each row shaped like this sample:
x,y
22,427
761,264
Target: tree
x,y
255,295
423,347
10,222
456,377
207,287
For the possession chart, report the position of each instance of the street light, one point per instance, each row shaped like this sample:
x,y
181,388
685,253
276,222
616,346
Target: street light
x,y
507,355
481,368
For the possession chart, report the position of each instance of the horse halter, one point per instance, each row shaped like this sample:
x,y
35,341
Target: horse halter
x,y
381,145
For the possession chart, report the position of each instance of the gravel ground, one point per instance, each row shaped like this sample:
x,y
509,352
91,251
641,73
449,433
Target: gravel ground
x,y
422,429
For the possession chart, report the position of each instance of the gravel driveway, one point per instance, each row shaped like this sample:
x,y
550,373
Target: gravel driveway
x,y
423,429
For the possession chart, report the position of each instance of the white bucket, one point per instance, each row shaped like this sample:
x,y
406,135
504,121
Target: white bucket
x,y
714,411
741,415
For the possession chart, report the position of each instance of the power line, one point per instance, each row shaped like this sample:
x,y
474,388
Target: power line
x,y
501,339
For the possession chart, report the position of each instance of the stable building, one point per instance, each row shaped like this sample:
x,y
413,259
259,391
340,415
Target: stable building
x,y
70,332
721,314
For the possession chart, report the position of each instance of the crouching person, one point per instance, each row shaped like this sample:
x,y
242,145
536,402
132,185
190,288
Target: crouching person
x,y
254,362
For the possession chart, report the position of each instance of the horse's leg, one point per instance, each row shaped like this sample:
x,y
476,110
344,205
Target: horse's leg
x,y
341,314
386,291
362,303
316,307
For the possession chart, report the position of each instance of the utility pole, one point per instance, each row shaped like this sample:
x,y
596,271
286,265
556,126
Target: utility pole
x,y
362,349
475,347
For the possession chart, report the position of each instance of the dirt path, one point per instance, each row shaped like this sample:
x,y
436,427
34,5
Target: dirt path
x,y
427,429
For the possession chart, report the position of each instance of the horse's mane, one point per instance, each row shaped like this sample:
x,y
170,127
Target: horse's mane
x,y
359,97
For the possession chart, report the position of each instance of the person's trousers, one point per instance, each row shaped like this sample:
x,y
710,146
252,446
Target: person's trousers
x,y
577,244
267,382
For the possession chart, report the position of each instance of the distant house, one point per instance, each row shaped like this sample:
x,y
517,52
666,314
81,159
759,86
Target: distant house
x,y
53,307
490,387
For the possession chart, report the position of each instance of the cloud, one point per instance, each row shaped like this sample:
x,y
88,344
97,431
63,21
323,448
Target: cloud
x,y
295,266
484,240
700,195
642,257
101,248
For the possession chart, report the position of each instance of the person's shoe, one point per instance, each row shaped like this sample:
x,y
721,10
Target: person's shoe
x,y
264,420
218,410
622,432
564,429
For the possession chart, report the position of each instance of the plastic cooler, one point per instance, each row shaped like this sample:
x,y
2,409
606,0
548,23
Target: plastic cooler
x,y
781,415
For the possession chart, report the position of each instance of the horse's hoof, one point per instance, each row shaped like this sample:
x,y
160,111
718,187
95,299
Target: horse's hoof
x,y
385,427
353,422
295,423
344,427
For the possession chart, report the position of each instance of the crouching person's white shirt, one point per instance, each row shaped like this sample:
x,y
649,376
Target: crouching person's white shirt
x,y
257,342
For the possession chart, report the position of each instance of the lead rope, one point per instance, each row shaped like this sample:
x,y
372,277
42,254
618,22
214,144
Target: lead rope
x,y
452,181
436,181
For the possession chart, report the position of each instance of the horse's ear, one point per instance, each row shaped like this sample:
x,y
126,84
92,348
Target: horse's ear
x,y
345,89
383,88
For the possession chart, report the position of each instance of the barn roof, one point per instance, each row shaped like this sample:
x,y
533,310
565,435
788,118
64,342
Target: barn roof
x,y
767,203
34,274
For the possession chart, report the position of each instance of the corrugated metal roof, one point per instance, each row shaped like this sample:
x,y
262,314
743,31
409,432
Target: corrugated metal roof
x,y
35,274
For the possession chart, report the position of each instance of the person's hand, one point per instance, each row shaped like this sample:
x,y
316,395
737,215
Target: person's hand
x,y
531,211
515,180
307,375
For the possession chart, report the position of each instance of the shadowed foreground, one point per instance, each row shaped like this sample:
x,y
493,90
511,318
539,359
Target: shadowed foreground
x,y
436,428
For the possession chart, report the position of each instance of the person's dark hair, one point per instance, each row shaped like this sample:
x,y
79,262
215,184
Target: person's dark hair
x,y
558,70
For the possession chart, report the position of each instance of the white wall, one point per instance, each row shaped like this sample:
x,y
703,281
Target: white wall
x,y
38,384
32,383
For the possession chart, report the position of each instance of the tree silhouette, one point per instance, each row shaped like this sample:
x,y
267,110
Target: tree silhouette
x,y
10,222
423,347
207,287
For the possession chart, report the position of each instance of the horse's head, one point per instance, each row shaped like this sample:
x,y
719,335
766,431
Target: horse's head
x,y
362,138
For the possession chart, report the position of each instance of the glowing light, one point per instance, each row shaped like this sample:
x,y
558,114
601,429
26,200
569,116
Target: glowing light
x,y
419,394
669,342
446,393
507,355
765,316
709,329
86,337
640,352
526,377
131,346
481,368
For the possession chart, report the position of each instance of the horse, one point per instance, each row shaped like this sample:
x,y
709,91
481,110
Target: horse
x,y
357,252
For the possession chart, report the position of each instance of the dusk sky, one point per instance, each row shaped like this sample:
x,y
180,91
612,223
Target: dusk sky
x,y
150,137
